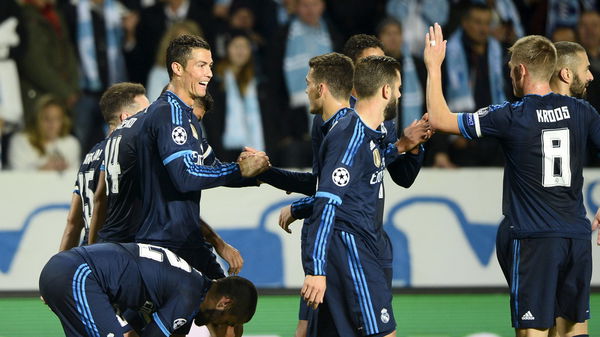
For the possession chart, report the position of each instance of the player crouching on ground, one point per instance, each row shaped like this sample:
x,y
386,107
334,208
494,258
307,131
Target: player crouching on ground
x,y
84,285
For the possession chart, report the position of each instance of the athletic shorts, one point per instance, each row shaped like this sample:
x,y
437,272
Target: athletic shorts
x,y
358,300
548,278
71,290
202,259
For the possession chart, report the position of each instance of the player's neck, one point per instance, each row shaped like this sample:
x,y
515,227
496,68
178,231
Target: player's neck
x,y
370,112
331,106
181,93
560,88
537,88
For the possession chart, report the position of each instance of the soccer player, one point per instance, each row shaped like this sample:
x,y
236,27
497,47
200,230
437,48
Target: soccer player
x,y
543,243
118,102
340,251
177,164
572,74
84,285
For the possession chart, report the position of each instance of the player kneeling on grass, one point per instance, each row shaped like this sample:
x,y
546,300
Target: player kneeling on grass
x,y
85,285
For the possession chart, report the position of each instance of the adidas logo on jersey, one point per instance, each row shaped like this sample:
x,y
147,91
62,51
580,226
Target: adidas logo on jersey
x,y
528,316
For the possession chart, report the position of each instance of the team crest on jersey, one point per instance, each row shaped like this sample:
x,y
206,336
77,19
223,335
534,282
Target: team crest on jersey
x,y
178,323
376,158
385,316
340,176
194,132
179,135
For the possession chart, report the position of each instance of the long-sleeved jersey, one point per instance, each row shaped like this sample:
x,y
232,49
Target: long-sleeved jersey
x,y
176,164
544,141
351,165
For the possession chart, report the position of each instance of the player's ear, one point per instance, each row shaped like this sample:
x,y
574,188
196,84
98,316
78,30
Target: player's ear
x,y
123,116
224,303
565,75
386,91
177,68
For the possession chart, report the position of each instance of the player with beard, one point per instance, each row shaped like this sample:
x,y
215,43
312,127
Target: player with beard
x,y
85,285
543,243
572,75
344,277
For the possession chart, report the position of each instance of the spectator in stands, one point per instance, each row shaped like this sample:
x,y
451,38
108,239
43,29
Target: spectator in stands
x,y
50,65
306,35
46,143
564,34
96,30
156,20
241,17
589,37
240,110
414,74
353,17
418,15
158,77
12,40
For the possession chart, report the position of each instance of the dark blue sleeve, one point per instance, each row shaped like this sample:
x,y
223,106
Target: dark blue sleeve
x,y
178,152
298,182
405,168
491,121
339,150
302,208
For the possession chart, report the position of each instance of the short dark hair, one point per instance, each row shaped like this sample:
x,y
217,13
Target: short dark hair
x,y
119,96
180,48
243,294
474,6
373,72
336,70
566,53
359,42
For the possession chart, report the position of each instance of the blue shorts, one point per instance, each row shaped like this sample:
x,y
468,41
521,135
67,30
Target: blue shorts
x,y
202,259
548,278
70,289
358,300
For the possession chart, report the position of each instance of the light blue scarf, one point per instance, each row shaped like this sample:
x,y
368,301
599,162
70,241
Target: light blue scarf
x,y
460,90
508,12
303,43
412,91
243,123
562,13
87,45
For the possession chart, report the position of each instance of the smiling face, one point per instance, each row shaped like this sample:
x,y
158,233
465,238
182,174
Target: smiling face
x,y
196,73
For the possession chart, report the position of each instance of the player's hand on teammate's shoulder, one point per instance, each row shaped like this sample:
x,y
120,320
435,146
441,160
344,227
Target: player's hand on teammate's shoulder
x,y
253,162
286,218
313,290
435,47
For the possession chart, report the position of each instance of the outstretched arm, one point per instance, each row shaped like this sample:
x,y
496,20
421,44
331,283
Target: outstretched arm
x,y
440,116
225,250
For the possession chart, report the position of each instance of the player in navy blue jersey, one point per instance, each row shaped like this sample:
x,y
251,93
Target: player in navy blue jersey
x,y
340,254
87,286
177,164
118,102
543,243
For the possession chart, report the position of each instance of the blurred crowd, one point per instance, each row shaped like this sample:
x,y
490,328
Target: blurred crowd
x,y
58,56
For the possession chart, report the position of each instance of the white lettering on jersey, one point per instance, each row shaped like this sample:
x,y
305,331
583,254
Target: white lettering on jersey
x,y
554,115
377,177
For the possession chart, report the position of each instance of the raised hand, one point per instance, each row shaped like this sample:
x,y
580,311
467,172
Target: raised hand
x,y
435,47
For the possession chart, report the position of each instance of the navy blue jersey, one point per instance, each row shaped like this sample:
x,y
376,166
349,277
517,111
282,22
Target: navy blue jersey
x,y
544,141
132,274
176,163
351,167
87,181
123,213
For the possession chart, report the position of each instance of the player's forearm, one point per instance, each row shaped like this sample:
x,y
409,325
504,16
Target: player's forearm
x,y
188,177
70,236
404,169
290,181
303,208
99,212
210,235
440,116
